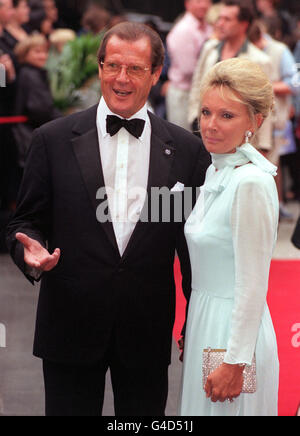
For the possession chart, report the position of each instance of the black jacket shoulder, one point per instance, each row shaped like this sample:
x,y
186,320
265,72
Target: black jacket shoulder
x,y
79,122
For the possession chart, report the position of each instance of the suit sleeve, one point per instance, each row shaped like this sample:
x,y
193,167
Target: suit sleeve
x,y
33,212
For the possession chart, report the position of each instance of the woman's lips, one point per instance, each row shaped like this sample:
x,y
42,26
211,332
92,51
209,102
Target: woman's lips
x,y
213,140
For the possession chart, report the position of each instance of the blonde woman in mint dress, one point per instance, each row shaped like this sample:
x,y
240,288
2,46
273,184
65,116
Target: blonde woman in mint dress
x,y
231,235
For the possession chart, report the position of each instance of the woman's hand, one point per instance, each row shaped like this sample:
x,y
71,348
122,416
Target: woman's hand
x,y
225,383
181,348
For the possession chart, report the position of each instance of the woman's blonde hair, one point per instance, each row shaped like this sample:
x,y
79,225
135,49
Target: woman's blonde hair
x,y
246,82
23,47
62,36
213,13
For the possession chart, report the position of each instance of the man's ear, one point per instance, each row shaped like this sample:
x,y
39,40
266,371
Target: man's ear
x,y
100,71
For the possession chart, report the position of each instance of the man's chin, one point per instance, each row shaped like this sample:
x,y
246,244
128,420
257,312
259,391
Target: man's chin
x,y
123,110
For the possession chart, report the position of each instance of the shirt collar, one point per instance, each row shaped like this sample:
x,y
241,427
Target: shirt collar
x,y
243,49
103,111
193,21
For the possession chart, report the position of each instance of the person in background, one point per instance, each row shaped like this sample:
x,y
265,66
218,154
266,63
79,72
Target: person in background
x,y
286,28
95,20
33,96
14,30
8,152
231,235
184,44
212,17
7,58
157,96
59,38
51,21
43,17
233,24
294,193
57,41
6,15
37,16
283,72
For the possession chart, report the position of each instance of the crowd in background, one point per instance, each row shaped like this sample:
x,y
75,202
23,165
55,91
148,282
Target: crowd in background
x,y
41,41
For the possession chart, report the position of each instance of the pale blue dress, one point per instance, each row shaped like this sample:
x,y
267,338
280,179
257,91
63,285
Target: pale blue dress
x,y
231,235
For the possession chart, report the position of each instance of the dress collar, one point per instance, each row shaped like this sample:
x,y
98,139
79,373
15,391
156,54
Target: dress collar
x,y
243,154
225,164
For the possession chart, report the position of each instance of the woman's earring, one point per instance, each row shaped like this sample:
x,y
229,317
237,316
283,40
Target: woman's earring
x,y
248,135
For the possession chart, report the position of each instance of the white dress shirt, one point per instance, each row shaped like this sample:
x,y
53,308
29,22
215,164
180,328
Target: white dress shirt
x,y
125,164
185,42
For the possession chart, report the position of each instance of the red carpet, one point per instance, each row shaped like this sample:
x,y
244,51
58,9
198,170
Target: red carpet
x,y
284,304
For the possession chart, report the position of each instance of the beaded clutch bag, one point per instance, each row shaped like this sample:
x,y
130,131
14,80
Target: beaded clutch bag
x,y
213,358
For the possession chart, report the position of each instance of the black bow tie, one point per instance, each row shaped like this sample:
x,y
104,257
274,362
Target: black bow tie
x,y
114,124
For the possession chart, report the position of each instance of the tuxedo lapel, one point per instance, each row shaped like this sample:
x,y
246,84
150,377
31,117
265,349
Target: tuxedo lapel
x,y
161,159
162,153
86,149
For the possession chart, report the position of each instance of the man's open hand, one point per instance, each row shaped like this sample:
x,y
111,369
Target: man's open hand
x,y
36,256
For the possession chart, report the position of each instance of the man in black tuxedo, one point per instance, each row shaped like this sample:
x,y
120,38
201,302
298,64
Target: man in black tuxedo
x,y
107,296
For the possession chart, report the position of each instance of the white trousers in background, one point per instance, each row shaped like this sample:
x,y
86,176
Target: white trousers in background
x,y
177,101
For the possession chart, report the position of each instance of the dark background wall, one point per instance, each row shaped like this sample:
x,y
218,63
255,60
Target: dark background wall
x,y
168,10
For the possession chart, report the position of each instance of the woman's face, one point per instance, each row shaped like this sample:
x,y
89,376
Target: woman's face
x,y
22,12
223,121
37,56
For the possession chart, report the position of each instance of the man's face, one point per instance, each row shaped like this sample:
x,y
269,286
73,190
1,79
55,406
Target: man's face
x,y
198,8
228,25
6,11
126,95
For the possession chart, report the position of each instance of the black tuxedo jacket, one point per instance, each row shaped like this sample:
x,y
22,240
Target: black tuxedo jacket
x,y
93,293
